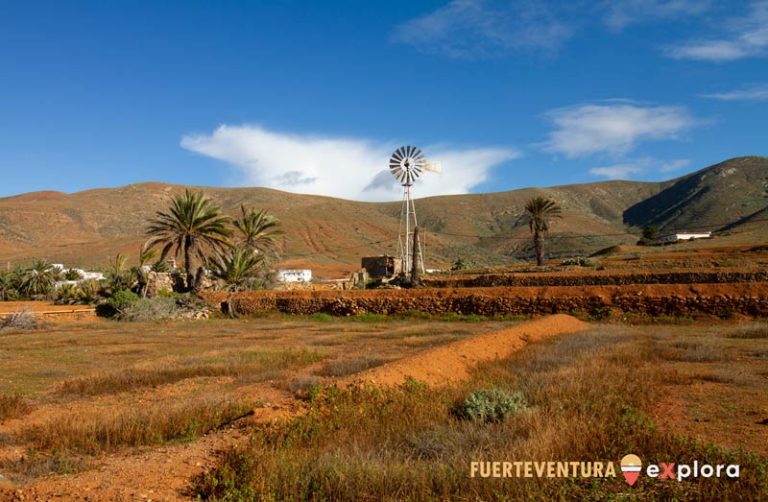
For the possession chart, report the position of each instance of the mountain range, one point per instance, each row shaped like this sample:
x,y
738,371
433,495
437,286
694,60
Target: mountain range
x,y
86,228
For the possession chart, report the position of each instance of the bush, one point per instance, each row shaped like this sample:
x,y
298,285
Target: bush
x,y
458,265
76,294
150,309
578,262
13,406
19,320
490,405
121,300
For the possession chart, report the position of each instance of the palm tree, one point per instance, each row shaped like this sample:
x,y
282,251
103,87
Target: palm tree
x,y
38,279
10,282
118,275
258,229
237,267
191,227
146,255
540,211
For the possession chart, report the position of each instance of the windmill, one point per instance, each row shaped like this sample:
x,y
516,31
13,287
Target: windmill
x,y
406,165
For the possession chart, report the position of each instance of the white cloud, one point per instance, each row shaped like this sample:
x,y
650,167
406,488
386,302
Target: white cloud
x,y
631,167
674,165
614,127
745,37
751,93
338,167
620,13
616,172
481,28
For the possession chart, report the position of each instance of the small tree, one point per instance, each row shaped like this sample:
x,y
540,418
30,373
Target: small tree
x,y
459,264
192,227
650,234
10,283
146,255
238,268
118,274
540,211
39,279
257,230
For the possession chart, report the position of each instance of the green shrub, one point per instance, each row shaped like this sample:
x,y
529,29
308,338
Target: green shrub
x,y
600,313
121,300
578,262
490,405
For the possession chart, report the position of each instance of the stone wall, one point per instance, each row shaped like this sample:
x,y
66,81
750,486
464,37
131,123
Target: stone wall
x,y
712,299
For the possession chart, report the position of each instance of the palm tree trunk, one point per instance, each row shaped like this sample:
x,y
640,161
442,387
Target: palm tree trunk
x,y
188,262
538,244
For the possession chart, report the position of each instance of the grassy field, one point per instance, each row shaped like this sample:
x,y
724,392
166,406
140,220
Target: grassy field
x,y
76,396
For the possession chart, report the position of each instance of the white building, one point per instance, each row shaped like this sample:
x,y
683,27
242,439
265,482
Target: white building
x,y
84,275
685,236
294,275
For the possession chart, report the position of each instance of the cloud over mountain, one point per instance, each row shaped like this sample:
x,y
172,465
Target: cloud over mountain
x,y
349,168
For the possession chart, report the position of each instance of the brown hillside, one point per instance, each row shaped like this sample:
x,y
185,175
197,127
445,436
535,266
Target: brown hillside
x,y
330,234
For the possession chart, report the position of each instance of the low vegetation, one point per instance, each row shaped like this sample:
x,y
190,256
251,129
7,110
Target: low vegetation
x,y
751,333
102,431
19,320
13,406
345,366
490,405
587,398
253,365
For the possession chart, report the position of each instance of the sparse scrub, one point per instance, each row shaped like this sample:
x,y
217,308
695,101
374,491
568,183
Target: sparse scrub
x,y
149,309
254,366
725,377
490,405
366,443
101,432
577,262
754,332
13,406
304,387
693,352
36,464
345,366
19,320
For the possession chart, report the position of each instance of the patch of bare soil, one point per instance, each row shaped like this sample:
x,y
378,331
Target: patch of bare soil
x,y
452,363
35,306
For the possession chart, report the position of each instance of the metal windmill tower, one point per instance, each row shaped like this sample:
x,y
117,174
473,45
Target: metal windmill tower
x,y
406,165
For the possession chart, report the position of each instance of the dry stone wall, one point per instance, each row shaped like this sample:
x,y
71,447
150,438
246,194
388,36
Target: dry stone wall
x,y
675,299
594,279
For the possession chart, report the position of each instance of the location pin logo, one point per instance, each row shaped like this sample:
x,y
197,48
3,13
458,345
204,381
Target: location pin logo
x,y
630,468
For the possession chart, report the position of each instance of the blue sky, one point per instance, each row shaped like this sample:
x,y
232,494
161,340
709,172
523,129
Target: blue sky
x,y
313,96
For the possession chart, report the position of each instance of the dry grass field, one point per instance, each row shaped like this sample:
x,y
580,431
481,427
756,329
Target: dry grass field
x,y
248,410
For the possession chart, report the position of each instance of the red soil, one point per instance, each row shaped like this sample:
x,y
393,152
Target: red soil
x,y
452,363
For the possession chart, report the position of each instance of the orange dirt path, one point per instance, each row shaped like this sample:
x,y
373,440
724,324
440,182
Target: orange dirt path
x,y
452,363
36,306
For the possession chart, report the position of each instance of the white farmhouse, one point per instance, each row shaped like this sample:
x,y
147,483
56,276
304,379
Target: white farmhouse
x,y
685,236
294,275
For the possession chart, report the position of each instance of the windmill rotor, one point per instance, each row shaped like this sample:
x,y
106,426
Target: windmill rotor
x,y
407,164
